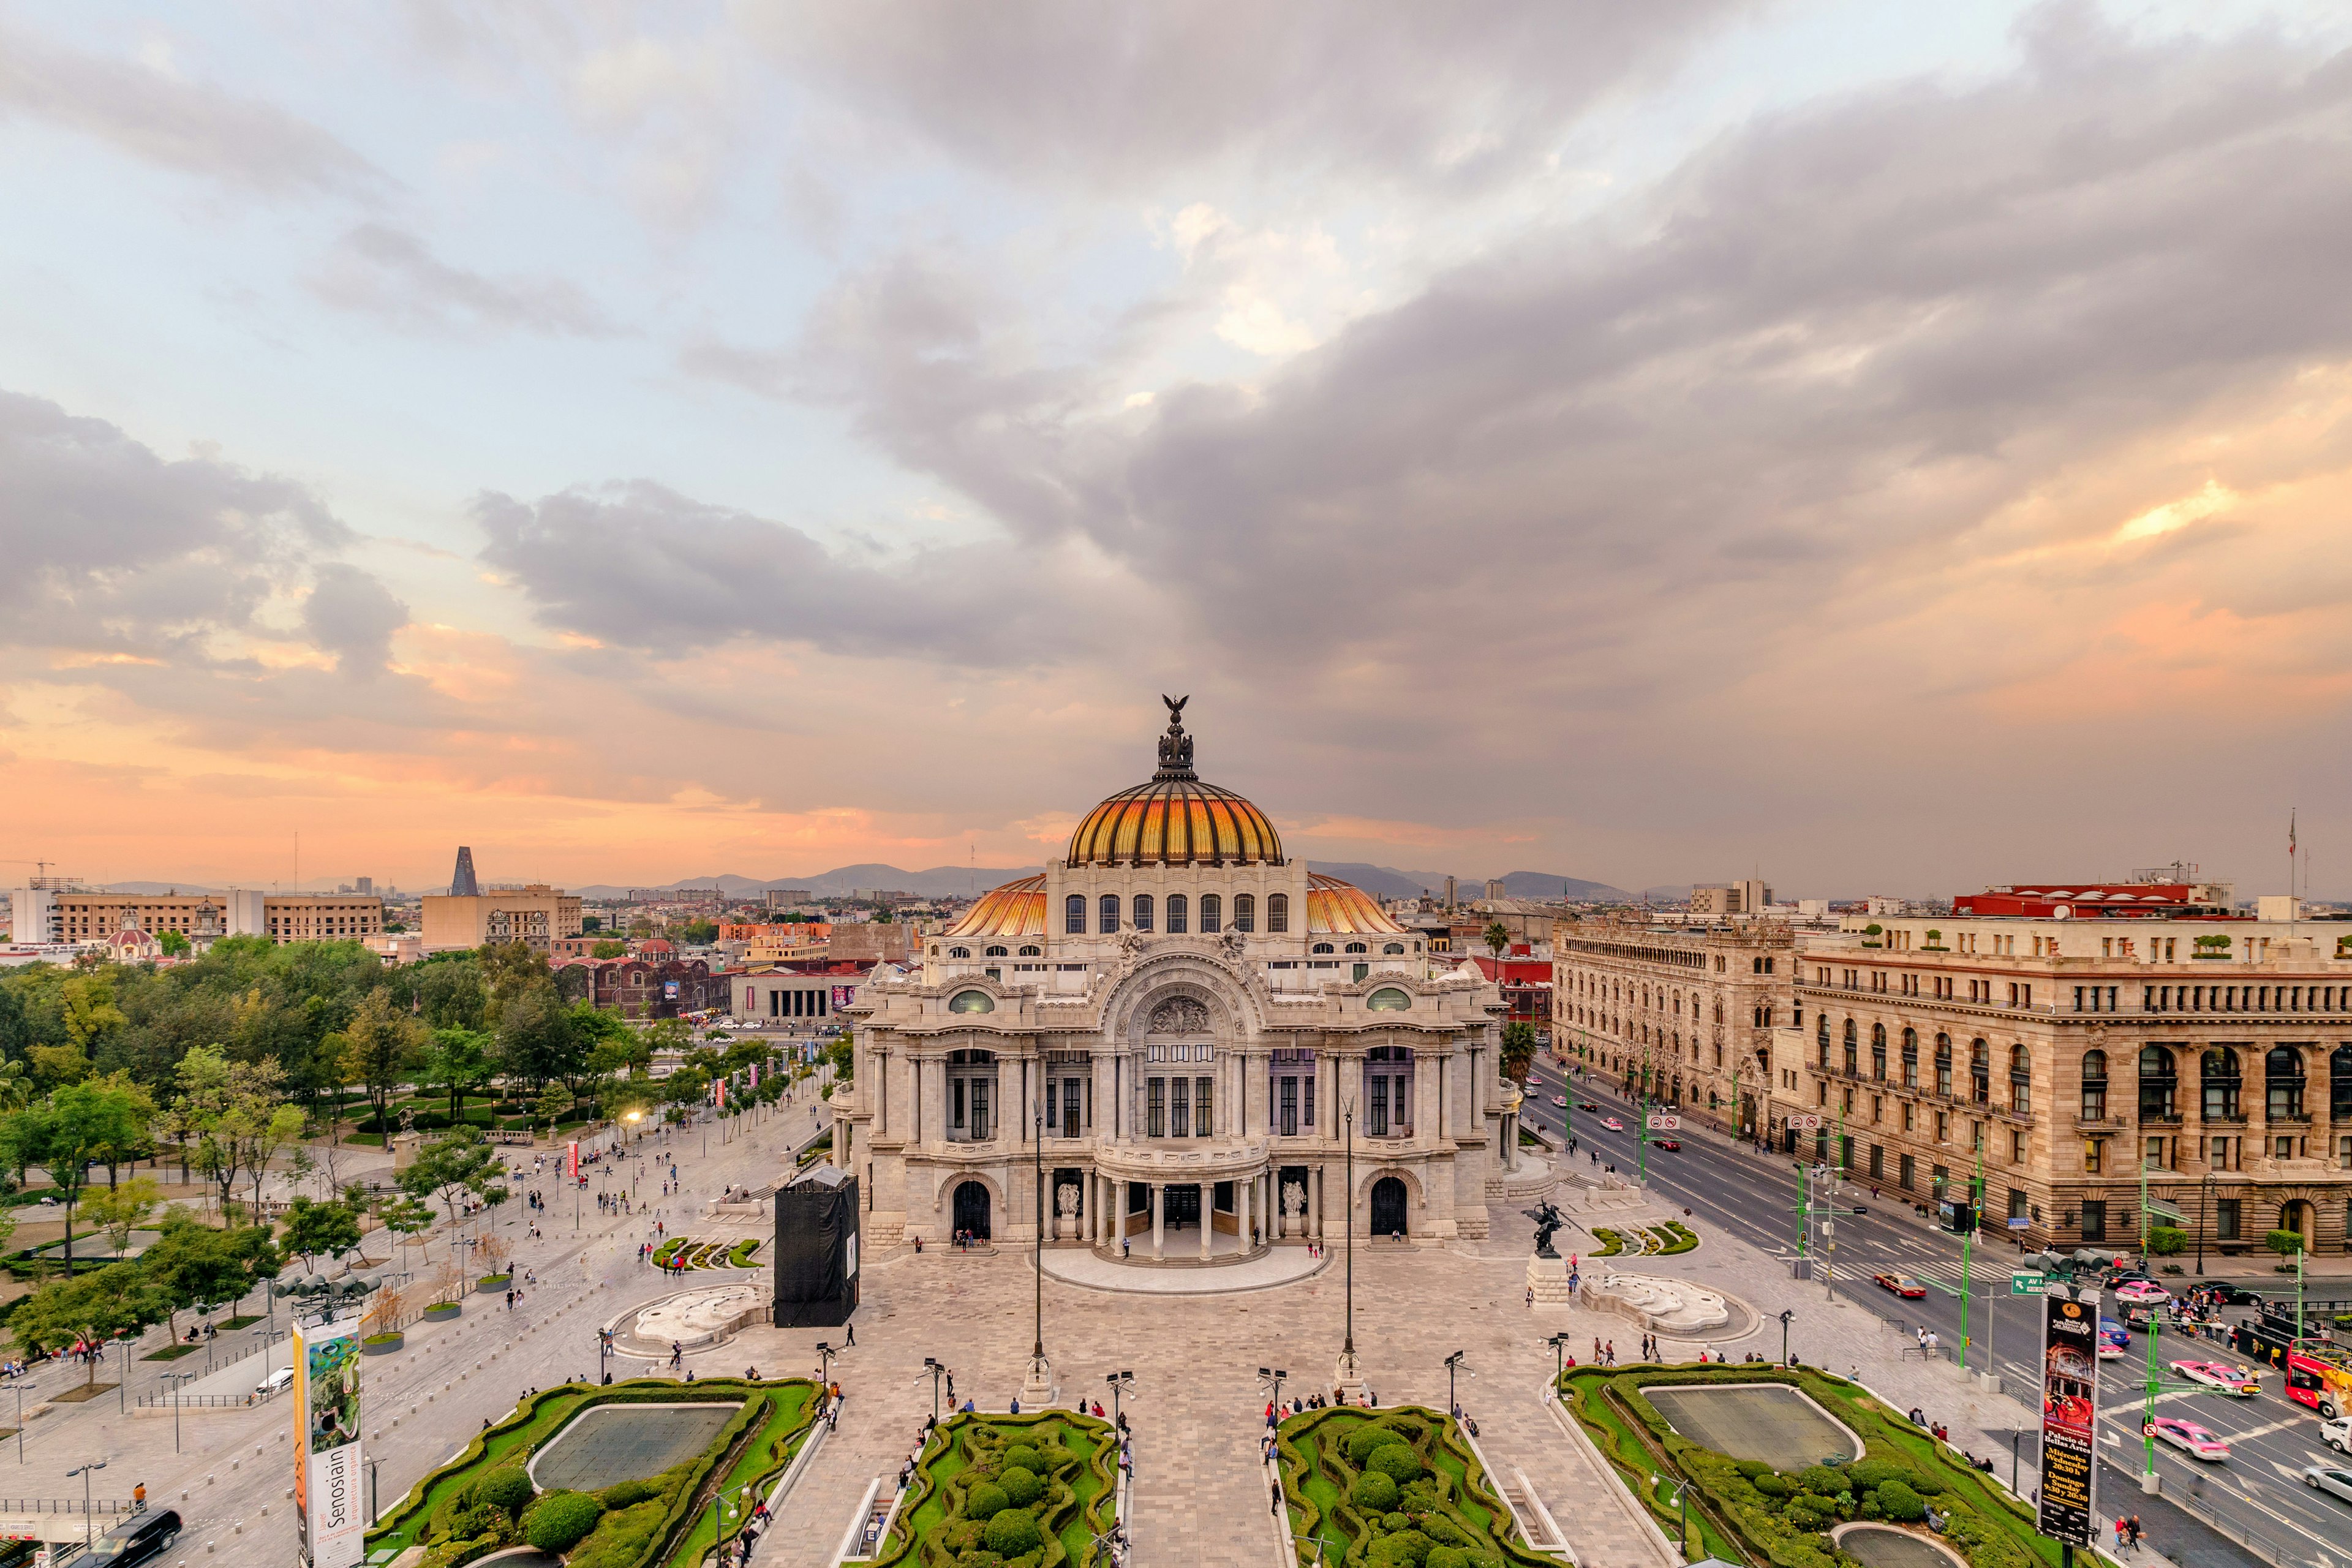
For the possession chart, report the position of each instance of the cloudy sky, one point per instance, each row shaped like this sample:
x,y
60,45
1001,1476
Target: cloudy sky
x,y
1891,447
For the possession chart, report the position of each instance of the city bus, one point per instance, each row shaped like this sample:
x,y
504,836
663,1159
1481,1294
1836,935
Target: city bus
x,y
2317,1373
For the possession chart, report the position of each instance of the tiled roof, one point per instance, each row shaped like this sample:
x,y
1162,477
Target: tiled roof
x,y
1343,908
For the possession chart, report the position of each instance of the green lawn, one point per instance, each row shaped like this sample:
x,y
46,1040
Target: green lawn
x,y
760,1456
1742,1510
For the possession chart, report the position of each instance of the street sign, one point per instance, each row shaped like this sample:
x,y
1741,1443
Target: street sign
x,y
2024,1284
2019,1222
1666,1123
1808,1123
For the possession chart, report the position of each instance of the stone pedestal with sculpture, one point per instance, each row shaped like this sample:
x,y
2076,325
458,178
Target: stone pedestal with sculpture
x,y
1548,1274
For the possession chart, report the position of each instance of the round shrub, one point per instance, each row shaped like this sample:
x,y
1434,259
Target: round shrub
x,y
1898,1501
1014,1532
1752,1468
1773,1485
1406,1549
507,1488
1394,1460
561,1521
1392,1523
1447,1557
985,1501
1925,1485
622,1494
1364,1439
1021,1457
1373,1492
1022,1486
1822,1480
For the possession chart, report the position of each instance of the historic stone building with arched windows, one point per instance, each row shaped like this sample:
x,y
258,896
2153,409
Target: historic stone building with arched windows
x,y
1187,1031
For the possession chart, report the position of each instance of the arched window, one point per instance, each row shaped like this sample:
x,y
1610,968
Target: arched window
x,y
1910,1058
2094,1086
1944,1066
996,951
1107,914
1853,1049
1244,911
1320,947
959,952
1140,911
2020,1080
1211,913
1357,947
1980,1070
1180,915
1032,951
2219,1079
1074,915
2159,1081
1277,914
2339,1084
1878,1052
2283,1082
1821,1037
1392,949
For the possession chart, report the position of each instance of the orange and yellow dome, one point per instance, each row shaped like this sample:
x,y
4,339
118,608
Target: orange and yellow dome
x,y
1175,821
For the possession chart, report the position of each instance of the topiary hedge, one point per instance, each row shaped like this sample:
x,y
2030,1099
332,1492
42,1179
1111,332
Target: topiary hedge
x,y
1391,1489
972,1505
559,1520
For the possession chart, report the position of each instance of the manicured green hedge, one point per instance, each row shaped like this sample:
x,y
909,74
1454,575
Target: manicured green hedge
x,y
1783,1519
963,1500
1347,1484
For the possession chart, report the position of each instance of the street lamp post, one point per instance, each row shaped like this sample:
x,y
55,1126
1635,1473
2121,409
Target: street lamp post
x,y
1454,1363
932,1367
1270,1379
1785,1316
1040,1370
1347,1377
1120,1383
88,1534
1558,1344
825,1353
1682,1510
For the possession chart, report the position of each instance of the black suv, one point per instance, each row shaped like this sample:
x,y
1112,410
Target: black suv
x,y
136,1539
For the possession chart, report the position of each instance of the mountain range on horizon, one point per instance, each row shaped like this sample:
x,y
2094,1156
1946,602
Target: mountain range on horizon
x,y
960,881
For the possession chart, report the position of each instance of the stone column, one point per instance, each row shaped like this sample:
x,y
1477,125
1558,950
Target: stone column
x,y
1208,1217
1242,1210
1158,1221
1314,1202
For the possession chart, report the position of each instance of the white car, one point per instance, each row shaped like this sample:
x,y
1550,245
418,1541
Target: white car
x,y
2337,1434
2333,1479
275,1380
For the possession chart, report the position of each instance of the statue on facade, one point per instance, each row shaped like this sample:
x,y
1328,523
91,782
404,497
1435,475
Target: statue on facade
x,y
1181,1015
1066,1200
1294,1200
1548,1219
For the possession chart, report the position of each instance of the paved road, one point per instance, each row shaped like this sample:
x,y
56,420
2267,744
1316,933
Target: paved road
x,y
2255,1494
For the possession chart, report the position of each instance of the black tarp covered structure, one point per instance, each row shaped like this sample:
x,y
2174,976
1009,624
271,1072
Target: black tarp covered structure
x,y
816,1249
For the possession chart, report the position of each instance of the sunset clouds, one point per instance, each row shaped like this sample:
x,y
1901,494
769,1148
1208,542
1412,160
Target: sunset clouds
x,y
1589,439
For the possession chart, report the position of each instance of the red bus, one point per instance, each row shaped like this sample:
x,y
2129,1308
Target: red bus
x,y
2317,1373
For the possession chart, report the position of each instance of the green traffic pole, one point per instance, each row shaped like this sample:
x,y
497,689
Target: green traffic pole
x,y
2147,1415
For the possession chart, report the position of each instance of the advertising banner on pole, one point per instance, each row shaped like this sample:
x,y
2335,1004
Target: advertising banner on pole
x,y
572,1158
2069,1402
328,1515
722,1094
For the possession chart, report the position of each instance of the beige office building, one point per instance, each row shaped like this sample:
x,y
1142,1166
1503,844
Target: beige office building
x,y
535,913
53,911
1685,1015
2069,1051
323,916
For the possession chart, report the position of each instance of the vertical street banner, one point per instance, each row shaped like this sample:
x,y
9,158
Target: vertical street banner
x,y
328,1513
722,1094
572,1158
2069,1402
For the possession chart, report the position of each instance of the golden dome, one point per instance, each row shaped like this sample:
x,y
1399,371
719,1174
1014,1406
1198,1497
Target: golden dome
x,y
1175,820
1016,909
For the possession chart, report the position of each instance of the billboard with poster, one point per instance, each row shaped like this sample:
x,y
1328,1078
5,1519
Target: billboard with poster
x,y
329,1515
843,995
2070,1406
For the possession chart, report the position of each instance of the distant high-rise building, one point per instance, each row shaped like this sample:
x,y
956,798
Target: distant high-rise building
x,y
461,881
367,884
1449,892
1495,888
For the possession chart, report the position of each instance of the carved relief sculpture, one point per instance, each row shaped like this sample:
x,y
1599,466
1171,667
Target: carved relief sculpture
x,y
1181,1015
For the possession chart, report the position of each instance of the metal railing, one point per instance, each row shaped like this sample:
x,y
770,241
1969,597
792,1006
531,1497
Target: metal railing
x,y
210,1401
70,1505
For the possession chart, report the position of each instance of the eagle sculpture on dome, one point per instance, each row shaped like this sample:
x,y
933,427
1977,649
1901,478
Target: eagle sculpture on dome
x,y
1175,747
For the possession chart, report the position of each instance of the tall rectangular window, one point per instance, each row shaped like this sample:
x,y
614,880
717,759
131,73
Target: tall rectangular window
x,y
1288,1125
1245,912
1212,911
1071,1124
1108,912
1143,911
1074,915
1306,1115
979,1132
1277,914
2094,1220
2225,1219
955,1103
1907,1172
1155,1115
1180,1115
1179,915
1376,1124
1203,1122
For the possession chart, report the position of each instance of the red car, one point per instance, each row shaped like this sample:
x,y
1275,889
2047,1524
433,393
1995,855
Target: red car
x,y
1667,1143
1901,1284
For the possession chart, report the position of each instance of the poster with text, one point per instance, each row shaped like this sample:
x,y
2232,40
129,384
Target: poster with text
x,y
2070,1404
328,1513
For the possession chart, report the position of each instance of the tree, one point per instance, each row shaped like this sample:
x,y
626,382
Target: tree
x,y
131,1112
840,1053
196,1266
458,1164
116,1300
610,947
379,1048
242,1117
1496,936
89,1011
66,1133
536,1040
2285,1243
1519,1048
405,1217
174,943
459,1061
124,1208
313,1228
15,1082
553,1102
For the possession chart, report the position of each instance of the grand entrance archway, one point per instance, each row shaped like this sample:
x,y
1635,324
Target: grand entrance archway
x,y
1182,1207
2295,1215
1388,1206
971,1209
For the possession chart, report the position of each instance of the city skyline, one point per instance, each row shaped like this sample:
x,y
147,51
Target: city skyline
x,y
1895,453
